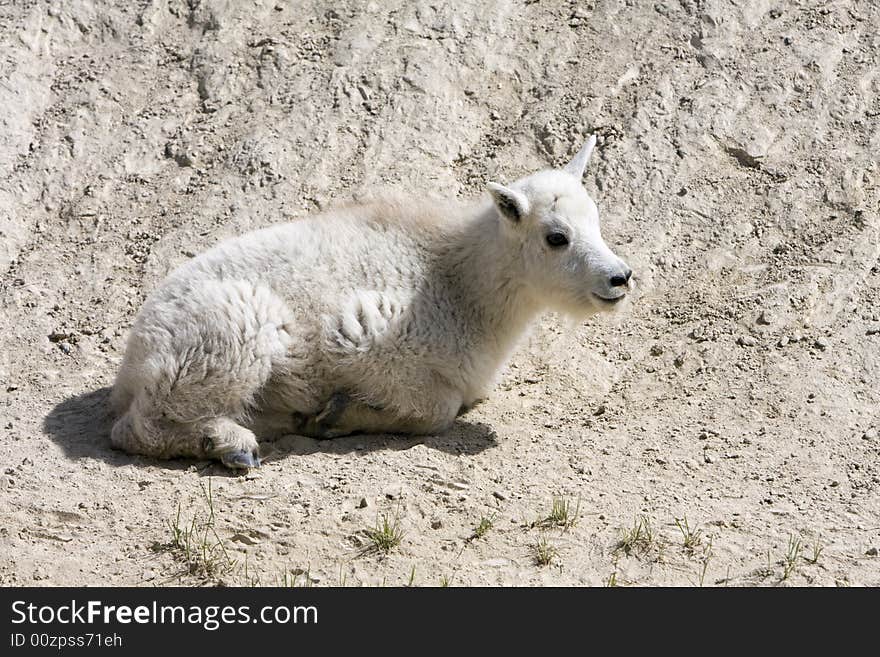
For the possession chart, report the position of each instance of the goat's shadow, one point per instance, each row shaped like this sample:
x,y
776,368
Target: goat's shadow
x,y
81,425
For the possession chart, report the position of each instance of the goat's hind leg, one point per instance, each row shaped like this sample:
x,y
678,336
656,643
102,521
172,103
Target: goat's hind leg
x,y
192,381
220,438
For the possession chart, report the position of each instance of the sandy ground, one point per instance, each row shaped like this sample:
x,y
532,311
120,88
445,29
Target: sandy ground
x,y
737,174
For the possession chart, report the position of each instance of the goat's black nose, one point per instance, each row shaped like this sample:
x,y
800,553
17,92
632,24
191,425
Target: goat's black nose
x,y
619,280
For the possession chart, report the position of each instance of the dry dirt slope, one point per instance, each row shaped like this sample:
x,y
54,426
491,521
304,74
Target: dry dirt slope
x,y
737,173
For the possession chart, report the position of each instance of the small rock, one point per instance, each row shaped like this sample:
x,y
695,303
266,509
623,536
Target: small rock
x,y
149,575
873,331
179,155
65,347
746,341
708,458
499,495
393,492
436,524
657,350
870,434
783,342
244,538
363,504
797,336
766,318
872,552
834,484
679,360
821,343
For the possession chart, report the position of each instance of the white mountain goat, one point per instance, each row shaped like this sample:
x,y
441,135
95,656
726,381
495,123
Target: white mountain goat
x,y
388,317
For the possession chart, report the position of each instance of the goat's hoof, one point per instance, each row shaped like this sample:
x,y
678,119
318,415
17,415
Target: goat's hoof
x,y
241,460
318,431
326,433
334,409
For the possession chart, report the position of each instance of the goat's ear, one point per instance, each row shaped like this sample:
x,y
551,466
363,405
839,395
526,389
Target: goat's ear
x,y
510,203
578,164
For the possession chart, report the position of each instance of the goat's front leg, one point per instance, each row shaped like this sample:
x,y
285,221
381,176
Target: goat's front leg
x,y
344,416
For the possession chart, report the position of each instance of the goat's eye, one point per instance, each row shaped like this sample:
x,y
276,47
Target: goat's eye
x,y
557,240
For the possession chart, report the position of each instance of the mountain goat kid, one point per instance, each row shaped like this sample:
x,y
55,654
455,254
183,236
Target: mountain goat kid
x,y
389,317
